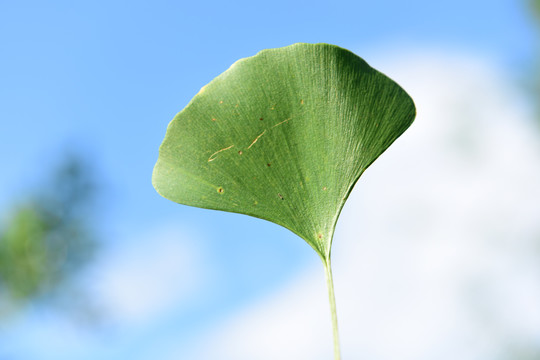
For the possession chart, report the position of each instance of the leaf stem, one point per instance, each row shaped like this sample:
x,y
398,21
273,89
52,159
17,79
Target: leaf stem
x,y
332,298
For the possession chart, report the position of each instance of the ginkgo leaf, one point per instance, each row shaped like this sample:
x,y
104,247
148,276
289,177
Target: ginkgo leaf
x,y
283,136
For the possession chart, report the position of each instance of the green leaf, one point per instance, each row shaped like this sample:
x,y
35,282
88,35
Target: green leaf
x,y
283,136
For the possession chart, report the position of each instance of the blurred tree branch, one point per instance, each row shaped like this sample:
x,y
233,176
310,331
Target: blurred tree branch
x,y
47,240
536,8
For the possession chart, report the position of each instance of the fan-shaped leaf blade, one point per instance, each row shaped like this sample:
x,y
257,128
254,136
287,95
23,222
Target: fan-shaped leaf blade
x,y
283,136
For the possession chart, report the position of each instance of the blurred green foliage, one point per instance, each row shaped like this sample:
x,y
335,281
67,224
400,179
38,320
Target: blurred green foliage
x,y
47,240
536,8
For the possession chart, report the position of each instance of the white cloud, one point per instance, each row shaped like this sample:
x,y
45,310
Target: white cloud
x,y
156,273
436,253
135,285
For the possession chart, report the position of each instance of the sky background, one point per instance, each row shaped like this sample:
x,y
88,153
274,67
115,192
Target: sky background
x,y
437,251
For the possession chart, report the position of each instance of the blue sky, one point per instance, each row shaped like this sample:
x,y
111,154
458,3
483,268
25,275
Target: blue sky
x,y
105,78
110,75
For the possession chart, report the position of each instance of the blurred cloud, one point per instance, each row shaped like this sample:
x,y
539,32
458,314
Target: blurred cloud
x,y
436,255
156,273
104,304
134,288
